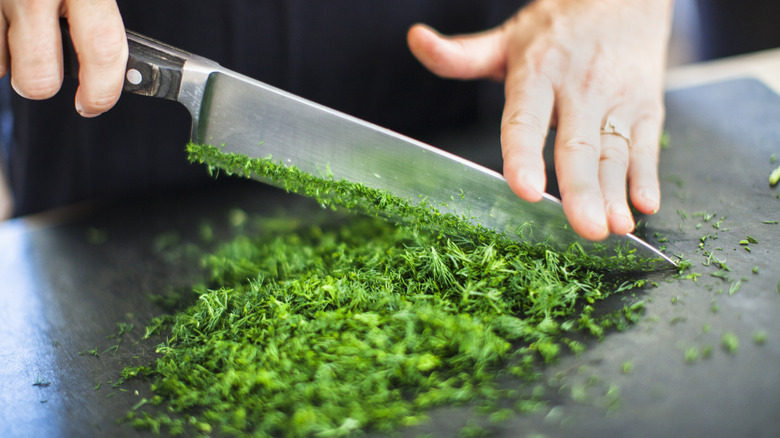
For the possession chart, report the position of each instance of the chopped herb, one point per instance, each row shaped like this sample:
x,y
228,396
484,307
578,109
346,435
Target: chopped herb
x,y
665,141
41,383
719,223
122,328
140,403
704,215
714,307
627,367
770,222
774,177
692,354
677,319
333,327
735,285
93,352
730,342
759,337
96,236
355,197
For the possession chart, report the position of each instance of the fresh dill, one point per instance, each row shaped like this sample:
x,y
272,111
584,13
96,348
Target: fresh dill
x,y
352,323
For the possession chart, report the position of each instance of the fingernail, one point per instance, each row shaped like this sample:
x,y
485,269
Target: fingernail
x,y
536,181
595,217
13,85
621,217
651,199
81,111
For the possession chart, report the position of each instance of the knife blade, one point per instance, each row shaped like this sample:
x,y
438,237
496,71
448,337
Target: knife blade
x,y
252,118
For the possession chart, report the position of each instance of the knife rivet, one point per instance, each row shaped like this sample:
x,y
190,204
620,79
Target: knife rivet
x,y
134,76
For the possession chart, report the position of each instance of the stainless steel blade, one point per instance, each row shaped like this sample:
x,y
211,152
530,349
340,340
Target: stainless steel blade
x,y
260,121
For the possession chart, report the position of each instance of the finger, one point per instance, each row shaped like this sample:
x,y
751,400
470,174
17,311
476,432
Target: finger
x,y
612,178
34,49
4,59
101,45
481,55
524,127
577,154
643,168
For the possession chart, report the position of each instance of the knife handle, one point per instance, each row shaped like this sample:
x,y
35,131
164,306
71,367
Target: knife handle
x,y
153,68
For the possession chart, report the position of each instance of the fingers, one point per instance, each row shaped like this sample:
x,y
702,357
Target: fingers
x,y
529,100
613,167
481,55
597,204
643,169
31,47
578,154
101,45
526,120
34,48
4,57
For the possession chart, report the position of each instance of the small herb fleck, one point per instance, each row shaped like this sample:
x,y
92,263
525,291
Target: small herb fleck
x,y
774,177
692,354
759,337
730,342
41,383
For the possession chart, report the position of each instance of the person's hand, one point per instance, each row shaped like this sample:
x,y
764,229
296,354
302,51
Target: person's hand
x,y
573,64
31,49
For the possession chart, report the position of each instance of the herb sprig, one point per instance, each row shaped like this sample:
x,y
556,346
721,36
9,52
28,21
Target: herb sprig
x,y
342,325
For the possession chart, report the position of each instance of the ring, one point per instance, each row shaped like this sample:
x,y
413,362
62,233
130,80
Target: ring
x,y
613,127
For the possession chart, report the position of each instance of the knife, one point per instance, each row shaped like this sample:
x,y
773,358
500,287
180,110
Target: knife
x,y
257,120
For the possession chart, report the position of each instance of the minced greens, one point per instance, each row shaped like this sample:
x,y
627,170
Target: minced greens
x,y
353,323
356,197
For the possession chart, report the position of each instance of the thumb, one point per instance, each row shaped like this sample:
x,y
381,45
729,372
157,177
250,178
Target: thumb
x,y
474,56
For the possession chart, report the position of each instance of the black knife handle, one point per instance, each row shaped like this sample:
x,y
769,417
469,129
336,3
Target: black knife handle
x,y
153,68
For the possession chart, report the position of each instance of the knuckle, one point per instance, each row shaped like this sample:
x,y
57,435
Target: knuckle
x,y
650,108
526,121
614,156
579,146
104,47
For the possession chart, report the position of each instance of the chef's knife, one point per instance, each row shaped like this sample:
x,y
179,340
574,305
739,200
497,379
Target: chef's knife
x,y
254,119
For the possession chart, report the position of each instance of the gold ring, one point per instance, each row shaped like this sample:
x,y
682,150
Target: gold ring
x,y
613,127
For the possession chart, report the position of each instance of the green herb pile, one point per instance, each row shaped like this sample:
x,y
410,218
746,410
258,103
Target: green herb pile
x,y
329,328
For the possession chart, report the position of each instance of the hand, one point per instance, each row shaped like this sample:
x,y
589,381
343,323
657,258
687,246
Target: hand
x,y
31,48
571,64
